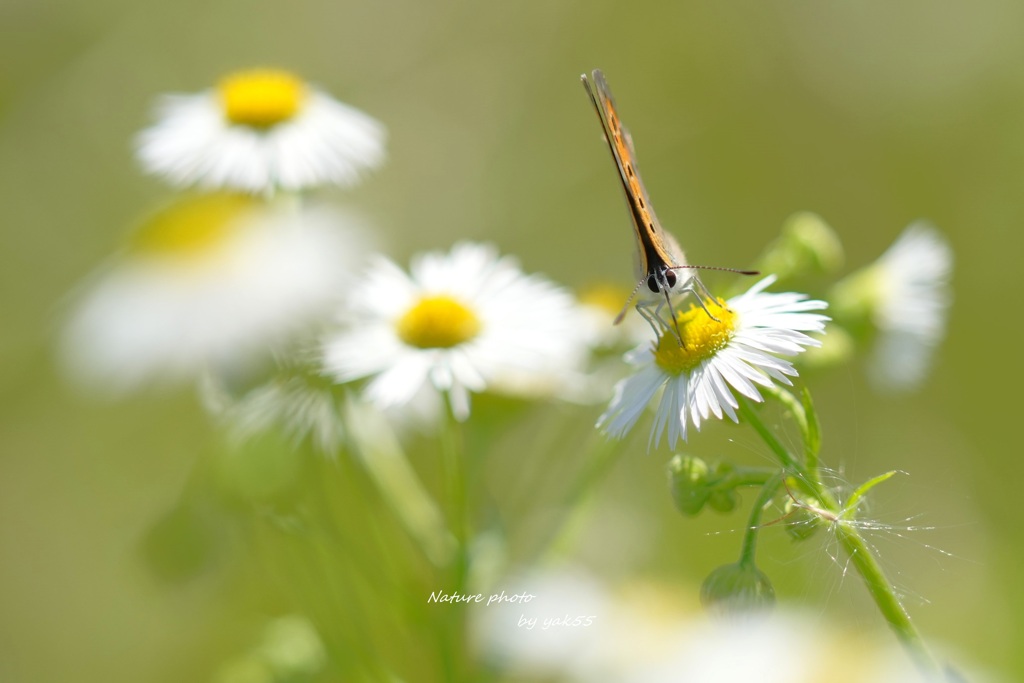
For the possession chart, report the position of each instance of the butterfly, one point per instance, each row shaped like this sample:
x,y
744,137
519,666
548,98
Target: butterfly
x,y
659,256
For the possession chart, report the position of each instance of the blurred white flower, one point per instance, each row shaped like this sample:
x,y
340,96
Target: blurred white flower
x,y
735,352
530,634
899,305
464,321
210,282
298,404
644,633
913,301
782,646
259,130
599,305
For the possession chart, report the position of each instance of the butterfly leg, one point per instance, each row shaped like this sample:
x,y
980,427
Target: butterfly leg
x,y
699,290
653,319
657,321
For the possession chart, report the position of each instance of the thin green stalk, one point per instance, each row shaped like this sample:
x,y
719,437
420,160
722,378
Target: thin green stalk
x,y
453,465
751,476
885,597
454,470
787,459
805,419
382,457
863,560
812,434
754,522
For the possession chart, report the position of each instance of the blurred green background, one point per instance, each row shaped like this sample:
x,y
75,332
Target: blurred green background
x,y
870,113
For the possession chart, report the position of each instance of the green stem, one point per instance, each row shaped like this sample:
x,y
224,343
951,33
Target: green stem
x,y
748,476
754,522
808,425
863,560
453,466
383,459
787,459
812,435
885,597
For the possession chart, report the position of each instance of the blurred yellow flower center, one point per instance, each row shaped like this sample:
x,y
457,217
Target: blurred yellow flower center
x,y
190,226
702,336
262,97
605,297
438,322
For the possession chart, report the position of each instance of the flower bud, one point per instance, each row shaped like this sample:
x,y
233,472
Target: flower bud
x,y
723,500
688,481
807,246
737,588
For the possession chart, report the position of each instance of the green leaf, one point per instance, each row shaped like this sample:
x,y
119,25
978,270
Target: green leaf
x,y
851,505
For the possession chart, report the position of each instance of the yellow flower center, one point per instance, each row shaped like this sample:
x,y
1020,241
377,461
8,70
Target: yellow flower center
x,y
438,322
190,226
702,337
261,98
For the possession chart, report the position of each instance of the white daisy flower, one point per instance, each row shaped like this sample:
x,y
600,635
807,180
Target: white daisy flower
x,y
912,283
211,282
260,130
737,352
465,321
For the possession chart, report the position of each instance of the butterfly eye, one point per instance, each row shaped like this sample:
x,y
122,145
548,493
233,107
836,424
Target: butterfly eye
x,y
652,283
670,278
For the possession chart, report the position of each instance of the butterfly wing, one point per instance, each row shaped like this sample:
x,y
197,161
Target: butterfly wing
x,y
656,248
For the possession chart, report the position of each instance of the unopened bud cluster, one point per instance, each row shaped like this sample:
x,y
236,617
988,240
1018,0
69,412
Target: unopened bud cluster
x,y
695,484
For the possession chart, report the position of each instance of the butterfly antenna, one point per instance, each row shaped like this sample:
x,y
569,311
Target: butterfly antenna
x,y
722,268
622,313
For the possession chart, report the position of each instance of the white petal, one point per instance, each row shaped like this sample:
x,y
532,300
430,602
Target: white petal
x,y
327,142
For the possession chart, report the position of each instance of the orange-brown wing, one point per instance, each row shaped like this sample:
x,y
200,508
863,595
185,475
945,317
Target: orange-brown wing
x,y
656,247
